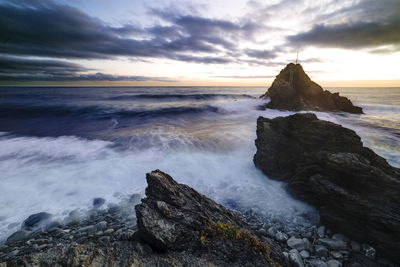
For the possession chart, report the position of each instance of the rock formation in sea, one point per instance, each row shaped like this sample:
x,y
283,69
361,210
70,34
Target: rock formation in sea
x,y
176,226
292,89
326,165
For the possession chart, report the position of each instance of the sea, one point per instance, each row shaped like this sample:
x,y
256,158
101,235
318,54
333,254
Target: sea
x,y
61,147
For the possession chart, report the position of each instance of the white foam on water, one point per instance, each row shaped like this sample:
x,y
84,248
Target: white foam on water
x,y
60,174
57,175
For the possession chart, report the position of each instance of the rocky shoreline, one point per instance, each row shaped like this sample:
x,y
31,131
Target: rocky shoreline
x,y
326,165
176,227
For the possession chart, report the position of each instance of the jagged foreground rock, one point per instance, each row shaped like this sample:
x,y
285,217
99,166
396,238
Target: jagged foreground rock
x,y
292,89
176,227
325,164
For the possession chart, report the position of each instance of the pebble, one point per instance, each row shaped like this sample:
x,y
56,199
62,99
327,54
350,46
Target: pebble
x,y
82,240
321,231
321,251
85,228
17,236
36,220
370,252
337,255
333,263
272,231
262,232
104,239
340,237
332,244
295,258
280,236
109,231
304,254
98,202
13,253
316,263
299,244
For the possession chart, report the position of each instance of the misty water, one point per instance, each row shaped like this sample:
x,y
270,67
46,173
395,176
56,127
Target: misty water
x,y
63,147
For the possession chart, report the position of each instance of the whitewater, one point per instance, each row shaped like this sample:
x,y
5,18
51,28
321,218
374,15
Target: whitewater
x,y
63,147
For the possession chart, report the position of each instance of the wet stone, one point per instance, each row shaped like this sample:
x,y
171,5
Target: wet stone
x,y
337,255
333,263
321,231
13,253
316,263
321,251
98,202
280,236
304,254
332,244
272,231
299,244
17,236
101,225
355,246
104,239
369,251
38,220
295,258
108,231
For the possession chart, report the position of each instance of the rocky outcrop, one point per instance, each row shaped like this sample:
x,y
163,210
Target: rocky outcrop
x,y
174,217
292,89
177,226
325,164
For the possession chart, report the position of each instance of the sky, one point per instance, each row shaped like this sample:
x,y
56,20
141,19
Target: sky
x,y
198,43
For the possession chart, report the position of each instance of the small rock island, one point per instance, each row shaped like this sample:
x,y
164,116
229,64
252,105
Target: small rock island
x,y
293,90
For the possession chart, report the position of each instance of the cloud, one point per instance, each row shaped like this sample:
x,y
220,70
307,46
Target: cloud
x,y
246,77
52,30
47,29
367,24
27,70
355,35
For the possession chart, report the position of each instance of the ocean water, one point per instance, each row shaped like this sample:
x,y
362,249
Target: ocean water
x,y
62,147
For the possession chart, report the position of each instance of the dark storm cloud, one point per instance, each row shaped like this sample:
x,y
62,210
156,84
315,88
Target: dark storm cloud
x,y
52,30
262,54
27,70
369,24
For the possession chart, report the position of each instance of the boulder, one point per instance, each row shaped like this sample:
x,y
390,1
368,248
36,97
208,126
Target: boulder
x,y
17,236
292,89
174,217
326,165
37,220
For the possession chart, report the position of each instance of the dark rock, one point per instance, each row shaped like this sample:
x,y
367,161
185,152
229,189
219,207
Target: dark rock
x,y
333,263
316,263
295,258
321,231
327,166
98,202
174,217
17,236
304,94
332,244
299,243
321,251
35,221
355,246
178,227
